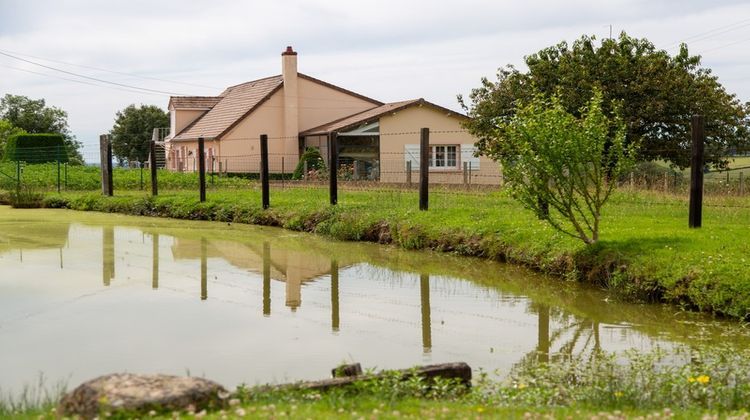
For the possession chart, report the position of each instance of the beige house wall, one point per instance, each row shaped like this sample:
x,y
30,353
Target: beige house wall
x,y
181,118
402,128
319,104
240,147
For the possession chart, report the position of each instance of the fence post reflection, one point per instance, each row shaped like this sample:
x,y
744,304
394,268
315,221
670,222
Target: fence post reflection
x,y
155,261
424,291
543,343
266,279
204,270
108,254
335,320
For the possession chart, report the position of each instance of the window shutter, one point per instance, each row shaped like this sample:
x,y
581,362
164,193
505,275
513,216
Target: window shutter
x,y
411,154
467,155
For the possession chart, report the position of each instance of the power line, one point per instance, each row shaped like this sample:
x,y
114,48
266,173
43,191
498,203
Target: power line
x,y
91,78
711,33
111,71
78,81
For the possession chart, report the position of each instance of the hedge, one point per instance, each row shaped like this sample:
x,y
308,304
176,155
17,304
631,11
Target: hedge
x,y
36,148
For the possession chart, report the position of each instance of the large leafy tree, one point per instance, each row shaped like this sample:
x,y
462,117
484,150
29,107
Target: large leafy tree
x,y
35,117
656,92
558,165
133,129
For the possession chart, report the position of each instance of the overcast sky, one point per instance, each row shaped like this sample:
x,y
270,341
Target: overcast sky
x,y
385,49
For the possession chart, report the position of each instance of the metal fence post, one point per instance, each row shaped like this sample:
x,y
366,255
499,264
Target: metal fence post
x,y
58,168
152,164
334,162
466,174
408,173
264,170
742,184
424,168
696,172
202,168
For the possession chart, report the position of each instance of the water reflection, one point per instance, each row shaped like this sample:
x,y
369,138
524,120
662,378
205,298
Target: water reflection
x,y
490,315
335,317
266,279
155,261
108,254
424,293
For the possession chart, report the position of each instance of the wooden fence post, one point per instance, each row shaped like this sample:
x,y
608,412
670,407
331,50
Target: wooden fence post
x,y
424,168
696,172
264,171
105,153
466,174
304,169
152,167
334,163
202,168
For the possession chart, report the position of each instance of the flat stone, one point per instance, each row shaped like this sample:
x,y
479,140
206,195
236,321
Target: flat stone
x,y
141,394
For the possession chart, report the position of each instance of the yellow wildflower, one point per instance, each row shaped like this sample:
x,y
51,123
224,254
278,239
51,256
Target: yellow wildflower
x,y
691,379
521,385
703,379
618,394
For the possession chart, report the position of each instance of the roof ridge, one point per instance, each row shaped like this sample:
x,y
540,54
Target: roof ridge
x,y
251,81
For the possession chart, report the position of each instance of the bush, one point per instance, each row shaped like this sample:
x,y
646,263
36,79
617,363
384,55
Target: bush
x,y
36,148
314,163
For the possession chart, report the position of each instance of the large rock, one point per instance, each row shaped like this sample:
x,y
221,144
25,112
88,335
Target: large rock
x,y
141,394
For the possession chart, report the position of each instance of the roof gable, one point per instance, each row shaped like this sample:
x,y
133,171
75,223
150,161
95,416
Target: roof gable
x,y
236,103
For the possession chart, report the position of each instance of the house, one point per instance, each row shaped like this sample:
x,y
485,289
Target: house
x,y
378,140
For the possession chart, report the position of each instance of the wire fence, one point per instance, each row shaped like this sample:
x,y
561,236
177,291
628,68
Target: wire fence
x,y
391,164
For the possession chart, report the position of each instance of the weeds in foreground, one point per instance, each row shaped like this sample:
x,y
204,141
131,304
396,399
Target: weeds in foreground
x,y
682,381
36,397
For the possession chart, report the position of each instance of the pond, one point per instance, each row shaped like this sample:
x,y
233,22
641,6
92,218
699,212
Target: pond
x,y
85,294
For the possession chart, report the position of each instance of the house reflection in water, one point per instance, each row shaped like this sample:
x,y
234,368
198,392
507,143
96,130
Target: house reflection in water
x,y
291,266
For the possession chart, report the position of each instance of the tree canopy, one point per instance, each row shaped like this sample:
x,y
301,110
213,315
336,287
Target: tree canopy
x,y
35,117
657,94
133,129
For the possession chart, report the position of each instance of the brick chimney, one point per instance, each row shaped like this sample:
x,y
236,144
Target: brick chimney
x,y
291,105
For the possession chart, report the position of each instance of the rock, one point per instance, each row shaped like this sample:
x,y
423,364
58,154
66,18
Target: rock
x,y
141,394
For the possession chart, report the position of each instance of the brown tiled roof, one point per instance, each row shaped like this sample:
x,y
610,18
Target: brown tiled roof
x,y
372,115
236,103
193,102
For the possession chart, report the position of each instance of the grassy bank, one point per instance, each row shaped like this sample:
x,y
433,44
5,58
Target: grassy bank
x,y
621,385
646,251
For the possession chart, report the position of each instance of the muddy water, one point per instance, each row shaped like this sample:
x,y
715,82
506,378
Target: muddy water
x,y
84,294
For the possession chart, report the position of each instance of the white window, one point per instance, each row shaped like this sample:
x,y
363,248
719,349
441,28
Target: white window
x,y
449,156
444,156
